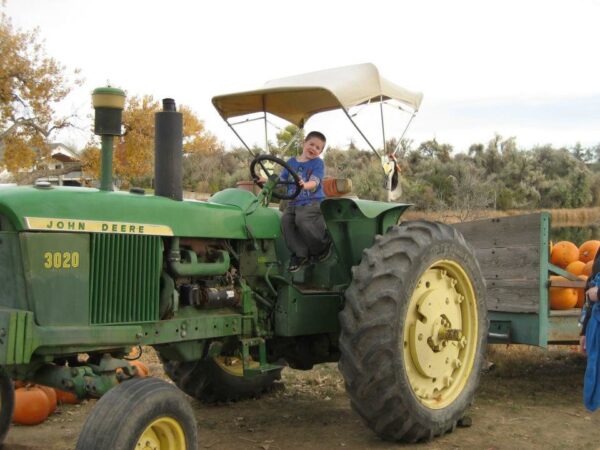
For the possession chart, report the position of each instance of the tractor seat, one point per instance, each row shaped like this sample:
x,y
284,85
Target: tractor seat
x,y
337,187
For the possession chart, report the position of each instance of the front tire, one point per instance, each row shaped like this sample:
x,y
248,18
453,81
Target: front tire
x,y
7,403
414,330
219,379
140,413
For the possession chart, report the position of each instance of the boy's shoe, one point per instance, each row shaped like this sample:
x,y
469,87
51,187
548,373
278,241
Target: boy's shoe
x,y
326,254
296,262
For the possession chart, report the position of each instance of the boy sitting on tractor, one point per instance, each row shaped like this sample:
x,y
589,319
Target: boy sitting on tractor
x,y
302,222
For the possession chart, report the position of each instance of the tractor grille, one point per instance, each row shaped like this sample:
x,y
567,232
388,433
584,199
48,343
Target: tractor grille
x,y
124,278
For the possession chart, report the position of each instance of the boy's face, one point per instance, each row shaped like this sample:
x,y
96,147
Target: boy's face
x,y
312,148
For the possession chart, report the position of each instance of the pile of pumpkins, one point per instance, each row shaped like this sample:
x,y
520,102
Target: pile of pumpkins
x,y
34,403
575,260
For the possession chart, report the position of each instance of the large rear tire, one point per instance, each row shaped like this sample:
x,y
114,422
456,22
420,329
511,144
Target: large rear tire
x,y
414,330
7,403
219,379
138,414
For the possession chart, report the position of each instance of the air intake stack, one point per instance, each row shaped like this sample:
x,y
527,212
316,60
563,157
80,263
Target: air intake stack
x,y
108,105
168,151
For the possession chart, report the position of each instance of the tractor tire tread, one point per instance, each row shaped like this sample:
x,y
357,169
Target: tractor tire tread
x,y
368,334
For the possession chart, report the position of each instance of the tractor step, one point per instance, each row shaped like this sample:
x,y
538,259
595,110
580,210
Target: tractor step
x,y
252,372
251,368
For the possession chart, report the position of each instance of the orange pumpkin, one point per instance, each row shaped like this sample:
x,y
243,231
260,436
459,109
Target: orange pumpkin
x,y
31,406
576,267
587,250
51,394
581,293
562,298
564,253
66,397
587,270
135,353
142,369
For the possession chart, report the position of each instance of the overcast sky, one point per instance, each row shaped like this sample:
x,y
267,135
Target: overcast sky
x,y
528,69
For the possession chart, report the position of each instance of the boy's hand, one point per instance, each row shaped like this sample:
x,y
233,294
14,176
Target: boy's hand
x,y
582,344
592,294
308,185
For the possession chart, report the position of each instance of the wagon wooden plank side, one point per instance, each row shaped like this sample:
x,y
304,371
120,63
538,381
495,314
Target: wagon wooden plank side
x,y
514,256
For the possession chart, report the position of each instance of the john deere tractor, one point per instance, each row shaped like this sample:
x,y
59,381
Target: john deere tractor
x,y
88,274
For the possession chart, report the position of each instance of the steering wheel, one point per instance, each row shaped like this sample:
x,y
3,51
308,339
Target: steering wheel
x,y
280,162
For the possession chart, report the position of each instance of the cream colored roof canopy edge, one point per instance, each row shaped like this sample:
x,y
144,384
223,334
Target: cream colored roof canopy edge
x,y
299,97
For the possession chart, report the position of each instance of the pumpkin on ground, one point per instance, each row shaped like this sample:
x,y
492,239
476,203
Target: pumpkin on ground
x,y
31,406
587,250
560,297
66,397
581,293
564,253
135,353
51,394
576,267
142,369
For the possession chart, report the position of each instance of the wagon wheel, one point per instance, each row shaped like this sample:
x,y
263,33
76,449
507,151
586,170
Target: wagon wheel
x,y
219,379
142,413
414,329
7,403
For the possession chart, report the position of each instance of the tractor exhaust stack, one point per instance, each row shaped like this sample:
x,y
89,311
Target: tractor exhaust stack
x,y
168,151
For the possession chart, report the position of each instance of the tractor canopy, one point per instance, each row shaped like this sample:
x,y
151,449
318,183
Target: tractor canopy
x,y
299,97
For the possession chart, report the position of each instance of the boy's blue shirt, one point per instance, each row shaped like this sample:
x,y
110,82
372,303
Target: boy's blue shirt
x,y
311,170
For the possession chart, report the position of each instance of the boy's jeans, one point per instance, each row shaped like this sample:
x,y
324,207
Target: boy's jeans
x,y
304,230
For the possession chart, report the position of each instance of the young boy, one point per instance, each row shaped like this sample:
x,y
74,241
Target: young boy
x,y
303,224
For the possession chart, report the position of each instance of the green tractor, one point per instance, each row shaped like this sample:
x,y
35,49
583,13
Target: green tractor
x,y
89,274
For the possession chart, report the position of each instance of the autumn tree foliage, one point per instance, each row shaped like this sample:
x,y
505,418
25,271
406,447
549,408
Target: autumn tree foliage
x,y
134,150
90,159
31,85
133,159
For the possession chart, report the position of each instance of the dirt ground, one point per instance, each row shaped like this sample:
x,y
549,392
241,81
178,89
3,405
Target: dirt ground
x,y
529,399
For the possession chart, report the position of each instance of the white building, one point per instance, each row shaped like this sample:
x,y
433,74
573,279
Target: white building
x,y
61,155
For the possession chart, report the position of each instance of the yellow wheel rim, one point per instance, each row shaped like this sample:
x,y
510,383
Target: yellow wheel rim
x,y
440,337
234,365
162,434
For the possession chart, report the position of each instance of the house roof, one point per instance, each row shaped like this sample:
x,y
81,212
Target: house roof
x,y
63,153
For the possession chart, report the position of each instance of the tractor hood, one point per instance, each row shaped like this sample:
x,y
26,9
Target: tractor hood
x,y
90,210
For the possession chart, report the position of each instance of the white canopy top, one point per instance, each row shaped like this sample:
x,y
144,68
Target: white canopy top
x,y
297,98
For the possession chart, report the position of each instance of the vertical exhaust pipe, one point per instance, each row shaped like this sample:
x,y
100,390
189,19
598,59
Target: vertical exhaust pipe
x,y
168,151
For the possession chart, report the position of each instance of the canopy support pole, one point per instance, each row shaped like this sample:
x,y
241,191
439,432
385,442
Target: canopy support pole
x,y
403,133
382,123
361,133
266,135
239,137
